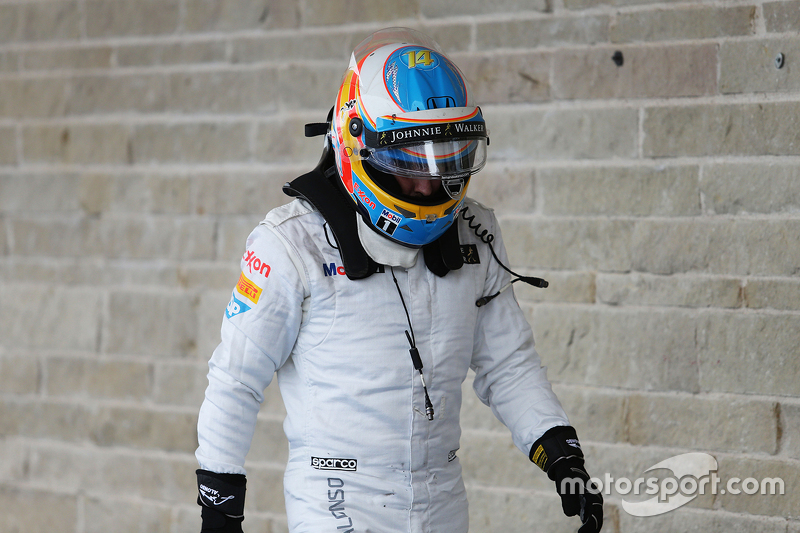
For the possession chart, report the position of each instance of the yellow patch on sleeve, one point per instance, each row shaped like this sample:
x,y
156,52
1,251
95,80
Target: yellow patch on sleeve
x,y
248,289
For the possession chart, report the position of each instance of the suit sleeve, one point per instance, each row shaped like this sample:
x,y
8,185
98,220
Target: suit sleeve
x,y
509,376
259,329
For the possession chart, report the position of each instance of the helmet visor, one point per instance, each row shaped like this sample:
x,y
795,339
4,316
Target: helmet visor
x,y
432,159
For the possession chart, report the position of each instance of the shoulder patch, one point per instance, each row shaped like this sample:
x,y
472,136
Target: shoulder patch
x,y
235,306
469,252
248,289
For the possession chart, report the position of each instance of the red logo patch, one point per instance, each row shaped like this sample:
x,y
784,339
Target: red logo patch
x,y
254,264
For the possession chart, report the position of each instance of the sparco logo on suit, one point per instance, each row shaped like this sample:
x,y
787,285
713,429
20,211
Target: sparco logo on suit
x,y
331,463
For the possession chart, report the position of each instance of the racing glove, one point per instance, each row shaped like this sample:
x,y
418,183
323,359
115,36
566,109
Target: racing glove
x,y
221,497
558,453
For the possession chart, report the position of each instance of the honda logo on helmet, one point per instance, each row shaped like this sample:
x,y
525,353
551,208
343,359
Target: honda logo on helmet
x,y
436,102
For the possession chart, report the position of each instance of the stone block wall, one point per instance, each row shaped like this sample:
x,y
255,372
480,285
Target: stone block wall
x,y
141,140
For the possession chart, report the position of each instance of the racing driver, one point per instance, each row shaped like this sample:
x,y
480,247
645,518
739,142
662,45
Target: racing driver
x,y
370,296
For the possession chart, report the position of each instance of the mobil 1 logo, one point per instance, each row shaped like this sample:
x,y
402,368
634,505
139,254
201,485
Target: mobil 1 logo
x,y
388,221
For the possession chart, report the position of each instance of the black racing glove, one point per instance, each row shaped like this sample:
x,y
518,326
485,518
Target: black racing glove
x,y
222,498
558,453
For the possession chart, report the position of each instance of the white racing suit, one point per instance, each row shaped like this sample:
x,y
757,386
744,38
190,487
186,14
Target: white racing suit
x,y
363,455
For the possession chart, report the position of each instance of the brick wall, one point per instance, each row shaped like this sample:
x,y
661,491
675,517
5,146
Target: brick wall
x,y
141,140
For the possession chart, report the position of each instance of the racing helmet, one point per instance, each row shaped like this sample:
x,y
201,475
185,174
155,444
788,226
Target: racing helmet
x,y
404,109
